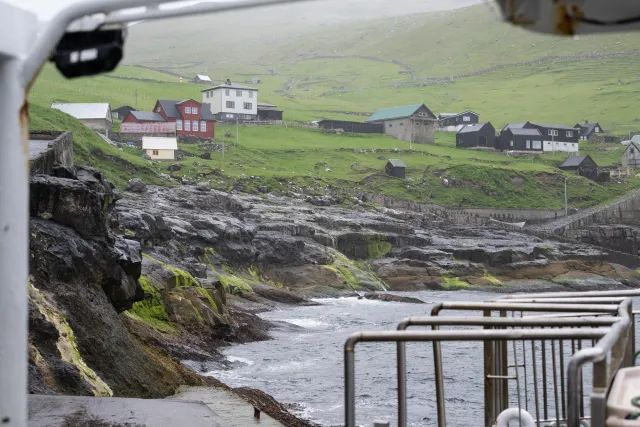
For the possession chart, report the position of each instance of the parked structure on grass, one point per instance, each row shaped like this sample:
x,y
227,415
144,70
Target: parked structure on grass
x,y
269,112
453,122
631,156
190,118
96,116
479,135
520,138
232,101
413,123
354,127
121,112
587,130
202,79
580,165
396,168
160,148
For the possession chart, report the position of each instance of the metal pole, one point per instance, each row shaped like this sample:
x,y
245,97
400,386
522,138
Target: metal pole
x,y
566,206
237,128
350,388
19,30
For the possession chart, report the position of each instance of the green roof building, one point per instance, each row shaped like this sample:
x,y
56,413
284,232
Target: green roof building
x,y
411,123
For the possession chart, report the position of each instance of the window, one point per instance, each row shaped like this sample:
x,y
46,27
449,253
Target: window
x,y
187,125
632,151
553,132
178,124
195,126
203,126
194,110
227,92
510,143
417,123
528,144
569,134
466,119
238,93
229,116
231,104
248,106
597,129
401,124
251,94
159,109
187,110
537,145
155,152
390,125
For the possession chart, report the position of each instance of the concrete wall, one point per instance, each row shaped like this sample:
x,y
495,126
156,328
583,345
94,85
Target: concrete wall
x,y
100,125
59,152
473,216
423,130
162,154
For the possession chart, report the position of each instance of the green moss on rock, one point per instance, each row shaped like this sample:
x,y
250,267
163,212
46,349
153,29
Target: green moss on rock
x,y
378,249
152,310
453,283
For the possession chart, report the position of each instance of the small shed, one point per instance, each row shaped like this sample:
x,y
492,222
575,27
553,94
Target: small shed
x,y
96,116
480,135
121,112
354,127
631,155
580,165
160,148
396,168
202,79
269,112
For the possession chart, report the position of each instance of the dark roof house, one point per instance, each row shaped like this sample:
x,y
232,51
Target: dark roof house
x,y
479,135
352,127
520,139
587,130
122,112
457,119
396,168
581,165
147,116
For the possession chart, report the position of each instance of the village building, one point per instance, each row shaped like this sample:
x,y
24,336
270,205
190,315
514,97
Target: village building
x,y
480,135
256,81
558,137
396,168
190,117
232,101
453,122
121,112
96,116
412,123
580,165
517,137
631,156
588,130
202,79
269,112
160,148
351,127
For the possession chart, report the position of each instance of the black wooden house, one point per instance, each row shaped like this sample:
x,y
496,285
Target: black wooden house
x,y
587,130
580,165
517,138
396,168
558,137
354,127
456,119
477,135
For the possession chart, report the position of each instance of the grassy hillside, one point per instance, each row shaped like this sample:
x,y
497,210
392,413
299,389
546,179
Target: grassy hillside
x,y
89,149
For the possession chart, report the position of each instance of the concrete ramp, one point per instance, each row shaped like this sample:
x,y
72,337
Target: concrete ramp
x,y
79,411
229,406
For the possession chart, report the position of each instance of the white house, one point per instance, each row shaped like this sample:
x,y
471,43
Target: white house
x,y
160,148
232,101
96,116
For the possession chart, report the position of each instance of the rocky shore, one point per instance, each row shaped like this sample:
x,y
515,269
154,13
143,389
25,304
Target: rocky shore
x,y
125,286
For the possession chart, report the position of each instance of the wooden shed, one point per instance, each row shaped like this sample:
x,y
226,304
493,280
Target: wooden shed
x,y
580,165
396,168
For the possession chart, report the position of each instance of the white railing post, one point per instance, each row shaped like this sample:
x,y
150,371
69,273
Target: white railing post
x,y
18,33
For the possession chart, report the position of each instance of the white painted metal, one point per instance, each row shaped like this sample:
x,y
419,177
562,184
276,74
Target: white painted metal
x,y
18,30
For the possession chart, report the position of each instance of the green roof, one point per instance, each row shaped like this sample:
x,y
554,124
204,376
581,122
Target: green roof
x,y
394,113
636,139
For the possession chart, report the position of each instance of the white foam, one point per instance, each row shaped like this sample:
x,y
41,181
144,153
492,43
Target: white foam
x,y
236,359
307,323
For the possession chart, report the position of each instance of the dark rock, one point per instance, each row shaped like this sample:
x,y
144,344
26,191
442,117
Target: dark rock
x,y
146,157
136,185
187,181
206,155
383,296
174,167
263,189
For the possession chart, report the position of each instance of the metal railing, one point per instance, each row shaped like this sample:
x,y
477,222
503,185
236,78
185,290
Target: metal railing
x,y
579,328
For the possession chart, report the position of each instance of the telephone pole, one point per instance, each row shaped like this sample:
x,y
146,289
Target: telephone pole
x,y
566,206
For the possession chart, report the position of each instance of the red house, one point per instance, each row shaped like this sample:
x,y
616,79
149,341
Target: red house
x,y
191,117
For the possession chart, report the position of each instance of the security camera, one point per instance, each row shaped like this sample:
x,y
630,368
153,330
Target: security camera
x,y
87,53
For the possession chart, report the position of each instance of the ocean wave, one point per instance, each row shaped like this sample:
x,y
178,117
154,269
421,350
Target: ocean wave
x,y
307,323
242,360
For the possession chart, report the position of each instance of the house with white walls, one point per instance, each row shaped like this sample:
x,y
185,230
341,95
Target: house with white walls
x,y
232,101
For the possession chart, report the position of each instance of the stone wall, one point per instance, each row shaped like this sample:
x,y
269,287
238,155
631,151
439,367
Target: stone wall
x,y
59,152
467,216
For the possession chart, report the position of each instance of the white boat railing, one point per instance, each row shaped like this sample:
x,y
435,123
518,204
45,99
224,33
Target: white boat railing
x,y
539,341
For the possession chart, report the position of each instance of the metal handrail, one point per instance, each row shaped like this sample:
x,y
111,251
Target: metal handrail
x,y
438,336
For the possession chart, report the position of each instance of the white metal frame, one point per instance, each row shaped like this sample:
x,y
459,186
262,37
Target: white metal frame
x,y
23,51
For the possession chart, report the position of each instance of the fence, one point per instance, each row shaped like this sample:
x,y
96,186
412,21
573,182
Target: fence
x,y
148,128
543,367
